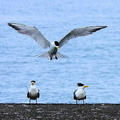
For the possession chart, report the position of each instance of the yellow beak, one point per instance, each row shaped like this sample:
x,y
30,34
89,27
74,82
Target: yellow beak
x,y
58,48
32,83
86,86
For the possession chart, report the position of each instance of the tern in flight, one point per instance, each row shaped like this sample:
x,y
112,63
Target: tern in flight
x,y
53,46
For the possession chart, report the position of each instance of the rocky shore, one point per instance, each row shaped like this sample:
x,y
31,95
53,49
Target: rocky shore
x,y
59,111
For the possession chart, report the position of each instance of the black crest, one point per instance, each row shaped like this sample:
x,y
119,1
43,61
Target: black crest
x,y
33,81
56,43
80,84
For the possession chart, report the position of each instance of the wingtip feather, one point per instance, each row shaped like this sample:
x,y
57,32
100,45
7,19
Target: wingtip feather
x,y
104,26
9,24
13,26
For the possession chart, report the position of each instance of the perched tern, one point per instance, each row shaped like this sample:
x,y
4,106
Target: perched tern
x,y
33,92
79,94
54,46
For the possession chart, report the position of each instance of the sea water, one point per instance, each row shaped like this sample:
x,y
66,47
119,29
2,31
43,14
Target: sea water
x,y
93,60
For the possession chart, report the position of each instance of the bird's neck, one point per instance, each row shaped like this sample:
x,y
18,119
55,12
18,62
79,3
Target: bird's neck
x,y
33,85
80,87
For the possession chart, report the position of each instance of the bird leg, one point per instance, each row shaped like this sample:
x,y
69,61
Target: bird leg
x,y
50,55
36,101
56,57
83,101
76,101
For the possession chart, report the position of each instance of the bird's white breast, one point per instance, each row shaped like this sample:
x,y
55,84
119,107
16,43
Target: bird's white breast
x,y
33,90
80,93
53,48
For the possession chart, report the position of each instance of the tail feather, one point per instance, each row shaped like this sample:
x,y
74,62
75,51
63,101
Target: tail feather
x,y
44,55
59,55
47,55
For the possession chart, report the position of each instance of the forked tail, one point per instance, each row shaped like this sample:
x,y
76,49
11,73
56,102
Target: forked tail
x,y
59,55
48,55
44,55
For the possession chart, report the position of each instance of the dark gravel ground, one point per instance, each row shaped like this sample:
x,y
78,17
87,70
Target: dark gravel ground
x,y
59,111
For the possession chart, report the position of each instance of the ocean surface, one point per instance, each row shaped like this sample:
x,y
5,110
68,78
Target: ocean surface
x,y
93,60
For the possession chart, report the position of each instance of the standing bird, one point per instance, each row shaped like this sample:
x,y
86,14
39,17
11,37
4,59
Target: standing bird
x,y
79,94
54,46
33,92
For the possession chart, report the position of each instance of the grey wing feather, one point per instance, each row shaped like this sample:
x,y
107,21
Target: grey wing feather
x,y
74,96
32,32
79,32
28,94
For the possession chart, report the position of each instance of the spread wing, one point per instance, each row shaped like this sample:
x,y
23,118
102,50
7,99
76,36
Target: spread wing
x,y
79,32
32,32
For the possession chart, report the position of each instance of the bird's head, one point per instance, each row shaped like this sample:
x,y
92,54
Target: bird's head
x,y
56,44
32,82
82,85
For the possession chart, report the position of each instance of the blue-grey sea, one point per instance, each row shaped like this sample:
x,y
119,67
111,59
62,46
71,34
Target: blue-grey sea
x,y
93,60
